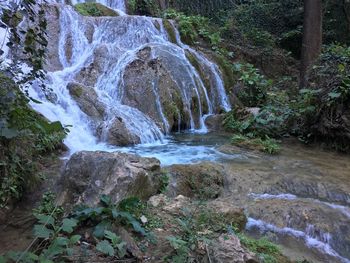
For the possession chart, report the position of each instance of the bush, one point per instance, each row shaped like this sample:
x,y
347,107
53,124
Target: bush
x,y
255,85
24,137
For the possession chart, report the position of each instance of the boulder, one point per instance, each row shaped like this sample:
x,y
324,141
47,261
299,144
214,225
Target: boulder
x,y
228,249
87,100
214,122
204,180
119,134
88,175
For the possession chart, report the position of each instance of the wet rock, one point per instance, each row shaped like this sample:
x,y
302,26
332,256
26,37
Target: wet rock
x,y
88,175
327,224
228,249
87,100
118,134
146,77
52,14
204,180
214,122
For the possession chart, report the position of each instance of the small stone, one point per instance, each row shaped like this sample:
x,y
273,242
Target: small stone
x,y
143,219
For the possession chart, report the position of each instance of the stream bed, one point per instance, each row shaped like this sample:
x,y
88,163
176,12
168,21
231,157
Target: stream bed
x,y
299,199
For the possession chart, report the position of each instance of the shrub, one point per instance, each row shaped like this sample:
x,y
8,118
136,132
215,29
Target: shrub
x,y
255,85
24,137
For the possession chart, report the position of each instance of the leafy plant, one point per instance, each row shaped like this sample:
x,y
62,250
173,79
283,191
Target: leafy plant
x,y
254,90
265,250
103,217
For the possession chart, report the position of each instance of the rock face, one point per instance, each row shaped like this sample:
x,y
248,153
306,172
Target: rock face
x,y
204,180
88,175
147,77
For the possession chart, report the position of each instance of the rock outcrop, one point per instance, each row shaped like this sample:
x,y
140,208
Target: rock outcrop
x,y
88,175
203,180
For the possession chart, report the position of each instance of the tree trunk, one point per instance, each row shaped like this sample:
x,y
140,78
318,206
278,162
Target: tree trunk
x,y
312,37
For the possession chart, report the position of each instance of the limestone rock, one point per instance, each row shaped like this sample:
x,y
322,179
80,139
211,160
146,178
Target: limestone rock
x,y
87,100
228,249
119,134
203,180
88,175
214,122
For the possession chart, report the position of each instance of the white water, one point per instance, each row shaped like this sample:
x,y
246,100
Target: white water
x,y
121,38
343,209
307,237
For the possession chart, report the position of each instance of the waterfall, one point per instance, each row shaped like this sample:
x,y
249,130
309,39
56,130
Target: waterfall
x,y
108,46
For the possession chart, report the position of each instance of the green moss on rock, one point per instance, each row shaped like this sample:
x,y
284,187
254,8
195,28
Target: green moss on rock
x,y
94,9
170,30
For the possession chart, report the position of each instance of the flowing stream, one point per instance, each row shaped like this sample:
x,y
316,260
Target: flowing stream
x,y
301,200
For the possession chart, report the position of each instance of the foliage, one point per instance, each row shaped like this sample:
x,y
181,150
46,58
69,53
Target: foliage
x,y
48,207
32,39
24,137
102,217
265,250
197,229
54,238
164,182
192,28
138,209
94,9
255,85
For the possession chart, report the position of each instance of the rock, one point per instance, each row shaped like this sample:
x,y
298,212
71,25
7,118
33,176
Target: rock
x,y
88,175
87,100
157,200
233,214
119,134
214,122
228,249
176,205
147,77
204,180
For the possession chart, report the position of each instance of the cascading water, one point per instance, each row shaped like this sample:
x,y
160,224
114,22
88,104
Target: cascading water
x,y
121,39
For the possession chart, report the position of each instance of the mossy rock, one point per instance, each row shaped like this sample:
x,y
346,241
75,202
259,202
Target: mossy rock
x,y
94,9
170,30
203,181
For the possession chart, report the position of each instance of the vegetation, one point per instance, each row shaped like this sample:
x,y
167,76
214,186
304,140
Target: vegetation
x,y
94,9
25,137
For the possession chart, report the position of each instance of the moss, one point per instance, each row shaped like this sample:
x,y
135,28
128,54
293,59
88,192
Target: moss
x,y
76,92
170,30
94,9
230,78
195,63
156,24
266,251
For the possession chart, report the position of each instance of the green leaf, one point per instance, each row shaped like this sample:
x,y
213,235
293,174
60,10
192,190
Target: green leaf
x,y
42,232
99,230
2,259
68,224
112,237
61,241
334,95
106,200
45,219
74,239
105,247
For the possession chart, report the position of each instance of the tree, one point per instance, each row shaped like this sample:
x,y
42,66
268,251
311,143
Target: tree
x,y
312,37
